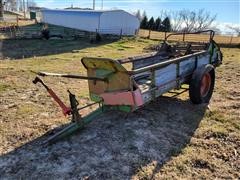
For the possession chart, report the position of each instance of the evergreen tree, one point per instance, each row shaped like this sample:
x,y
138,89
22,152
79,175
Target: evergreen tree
x,y
157,24
161,28
166,25
144,14
144,22
138,15
1,9
151,23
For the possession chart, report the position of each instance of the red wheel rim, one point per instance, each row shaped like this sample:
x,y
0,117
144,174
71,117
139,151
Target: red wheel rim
x,y
205,84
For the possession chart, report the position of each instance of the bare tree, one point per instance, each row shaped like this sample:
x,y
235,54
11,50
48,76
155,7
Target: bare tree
x,y
138,15
11,5
204,20
19,5
1,9
236,29
24,9
216,30
176,21
190,21
32,3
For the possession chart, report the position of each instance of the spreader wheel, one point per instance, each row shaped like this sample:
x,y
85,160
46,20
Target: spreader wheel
x,y
202,84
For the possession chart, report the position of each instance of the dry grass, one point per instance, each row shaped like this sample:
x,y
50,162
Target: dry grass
x,y
167,139
17,89
191,37
11,19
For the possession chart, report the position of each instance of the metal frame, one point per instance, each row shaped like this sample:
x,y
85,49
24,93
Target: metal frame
x,y
165,63
212,33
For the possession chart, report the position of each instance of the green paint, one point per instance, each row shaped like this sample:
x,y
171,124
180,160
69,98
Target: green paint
x,y
32,15
102,73
73,127
213,47
76,126
95,97
123,108
210,50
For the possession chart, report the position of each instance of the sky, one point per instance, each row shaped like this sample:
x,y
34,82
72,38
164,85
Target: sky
x,y
227,11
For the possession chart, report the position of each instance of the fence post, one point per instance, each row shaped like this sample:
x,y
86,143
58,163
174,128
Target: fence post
x,y
165,35
121,34
136,32
183,36
96,34
149,34
17,19
231,39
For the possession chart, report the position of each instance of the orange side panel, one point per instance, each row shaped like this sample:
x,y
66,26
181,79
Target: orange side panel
x,y
123,98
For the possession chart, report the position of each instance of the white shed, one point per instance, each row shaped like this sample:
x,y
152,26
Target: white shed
x,y
105,22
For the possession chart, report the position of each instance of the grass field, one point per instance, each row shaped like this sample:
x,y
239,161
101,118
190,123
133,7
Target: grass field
x,y
11,19
169,138
221,39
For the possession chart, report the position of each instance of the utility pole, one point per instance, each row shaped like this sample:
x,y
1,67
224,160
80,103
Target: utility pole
x,y
1,9
102,4
24,9
93,4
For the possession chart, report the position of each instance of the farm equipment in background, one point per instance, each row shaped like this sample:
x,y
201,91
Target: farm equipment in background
x,y
112,86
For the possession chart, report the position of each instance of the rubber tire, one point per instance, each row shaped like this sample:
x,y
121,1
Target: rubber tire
x,y
195,84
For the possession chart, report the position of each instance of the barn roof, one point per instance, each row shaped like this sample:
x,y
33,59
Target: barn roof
x,y
82,12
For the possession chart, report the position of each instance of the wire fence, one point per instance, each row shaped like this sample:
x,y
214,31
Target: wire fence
x,y
221,39
32,31
10,19
10,28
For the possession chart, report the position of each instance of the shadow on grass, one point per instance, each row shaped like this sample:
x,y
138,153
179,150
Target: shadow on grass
x,y
114,146
26,48
16,49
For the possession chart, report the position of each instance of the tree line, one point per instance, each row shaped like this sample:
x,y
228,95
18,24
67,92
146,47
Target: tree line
x,y
178,21
153,24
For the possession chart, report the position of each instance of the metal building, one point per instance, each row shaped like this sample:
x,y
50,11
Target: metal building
x,y
105,21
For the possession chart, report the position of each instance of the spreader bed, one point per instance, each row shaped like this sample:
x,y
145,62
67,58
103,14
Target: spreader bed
x,y
112,86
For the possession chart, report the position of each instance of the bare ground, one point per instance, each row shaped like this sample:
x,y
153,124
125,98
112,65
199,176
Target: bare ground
x,y
169,138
